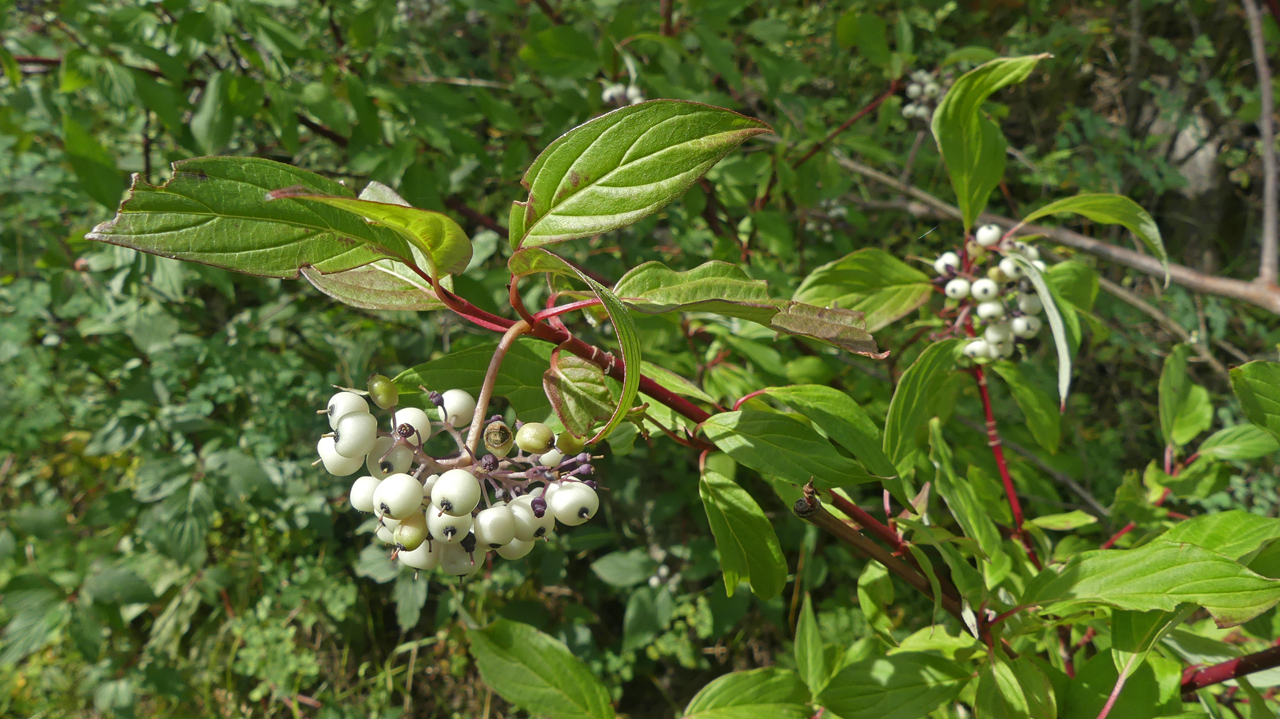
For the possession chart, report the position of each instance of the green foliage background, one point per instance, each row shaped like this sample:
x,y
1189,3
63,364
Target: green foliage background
x,y
166,546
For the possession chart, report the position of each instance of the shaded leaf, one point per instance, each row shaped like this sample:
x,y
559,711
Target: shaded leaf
x,y
537,673
624,569
519,379
904,427
1054,316
748,545
578,393
871,281
811,659
1110,209
902,686
1241,442
95,168
1257,384
774,693
1038,408
381,285
842,419
782,446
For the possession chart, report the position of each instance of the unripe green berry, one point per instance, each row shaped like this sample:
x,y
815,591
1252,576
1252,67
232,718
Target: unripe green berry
x,y
568,444
411,532
383,391
535,438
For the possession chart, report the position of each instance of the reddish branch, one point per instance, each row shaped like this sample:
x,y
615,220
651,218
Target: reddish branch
x,y
1195,678
997,451
893,87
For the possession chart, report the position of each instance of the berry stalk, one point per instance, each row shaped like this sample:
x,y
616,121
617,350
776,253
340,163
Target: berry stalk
x,y
490,378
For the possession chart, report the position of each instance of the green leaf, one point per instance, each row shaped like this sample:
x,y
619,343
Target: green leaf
x,y
999,693
972,146
1257,384
624,166
908,415
1111,209
811,658
214,211
1241,442
433,237
410,595
1174,390
875,594
10,67
1194,416
673,382
874,282
1134,633
842,419
95,168
519,379
1065,522
774,693
1043,418
969,53
902,686
1074,282
116,585
1156,576
537,673
867,32
532,260
961,498
1056,326
563,51
380,285
779,445
578,393
1233,533
624,569
843,328
748,545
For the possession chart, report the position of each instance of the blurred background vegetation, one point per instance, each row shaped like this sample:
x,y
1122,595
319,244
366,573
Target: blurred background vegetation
x,y
165,545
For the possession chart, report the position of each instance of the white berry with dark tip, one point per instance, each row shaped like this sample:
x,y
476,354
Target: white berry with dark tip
x,y
355,435
456,561
515,549
398,460
361,494
978,349
574,504
1026,326
456,492
411,532
426,557
984,289
988,235
1010,268
415,418
495,527
398,496
335,463
446,527
997,333
342,404
528,525
1030,304
458,408
947,261
957,289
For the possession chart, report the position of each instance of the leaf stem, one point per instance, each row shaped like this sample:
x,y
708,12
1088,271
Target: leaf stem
x,y
997,451
564,309
490,378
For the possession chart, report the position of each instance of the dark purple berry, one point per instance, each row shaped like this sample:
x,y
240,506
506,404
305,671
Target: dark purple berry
x,y
539,507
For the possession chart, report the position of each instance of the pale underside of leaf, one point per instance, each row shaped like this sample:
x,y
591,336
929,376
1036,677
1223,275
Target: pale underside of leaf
x,y
377,286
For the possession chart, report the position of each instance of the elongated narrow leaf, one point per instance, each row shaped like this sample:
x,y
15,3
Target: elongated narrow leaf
x,y
748,545
214,211
722,288
841,419
908,685
380,285
433,237
904,426
534,260
1174,389
778,445
1156,576
773,693
874,282
972,145
1241,442
578,393
1038,408
519,379
999,694
1111,209
811,659
624,166
537,673
1257,384
1056,326
960,496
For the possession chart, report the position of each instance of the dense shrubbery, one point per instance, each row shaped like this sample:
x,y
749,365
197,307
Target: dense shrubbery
x,y
166,546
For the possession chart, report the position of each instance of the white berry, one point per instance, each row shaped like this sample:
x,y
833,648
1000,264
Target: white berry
x,y
515,549
998,333
398,460
988,235
947,260
1003,349
448,528
459,407
426,557
574,504
914,90
528,525
1010,268
932,89
415,418
984,289
1026,326
456,492
361,494
1028,251
342,404
397,496
429,484
495,527
459,562
355,435
957,289
1030,304
991,310
552,458
335,463
978,349
1039,265
386,534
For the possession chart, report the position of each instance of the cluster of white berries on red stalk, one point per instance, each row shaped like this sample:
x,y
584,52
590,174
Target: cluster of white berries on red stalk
x,y
1003,299
429,508
924,91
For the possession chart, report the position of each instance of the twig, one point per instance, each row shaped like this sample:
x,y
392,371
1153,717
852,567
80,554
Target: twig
x,y
490,378
1195,678
457,205
1266,297
893,87
1165,321
1268,263
1011,492
911,157
665,8
549,11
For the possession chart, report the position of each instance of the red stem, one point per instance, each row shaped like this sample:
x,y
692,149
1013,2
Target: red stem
x,y
893,87
868,522
1195,678
997,450
563,309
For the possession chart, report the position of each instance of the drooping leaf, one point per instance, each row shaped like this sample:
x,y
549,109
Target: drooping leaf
x,y
380,285
748,545
533,260
1134,633
875,596
537,673
778,445
843,328
214,211
578,393
1054,316
95,168
901,686
772,692
811,658
1064,522
1111,209
1074,282
624,166
1038,408
1257,384
519,378
963,501
972,145
905,423
1241,442
842,419
1194,416
1157,576
871,281
118,585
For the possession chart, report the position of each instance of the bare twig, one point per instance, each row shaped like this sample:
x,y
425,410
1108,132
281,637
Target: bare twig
x,y
893,87
1196,678
1268,267
457,205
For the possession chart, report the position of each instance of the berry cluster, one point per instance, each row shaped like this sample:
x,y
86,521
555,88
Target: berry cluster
x,y
429,508
924,92
1002,298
